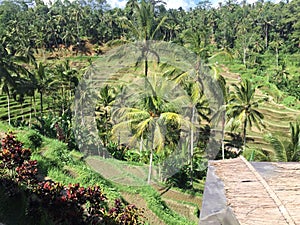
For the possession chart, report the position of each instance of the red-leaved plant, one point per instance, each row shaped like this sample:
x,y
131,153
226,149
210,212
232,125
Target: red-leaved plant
x,y
70,204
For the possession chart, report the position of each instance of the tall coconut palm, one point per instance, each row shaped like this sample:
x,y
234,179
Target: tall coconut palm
x,y
200,111
10,72
242,107
221,112
66,81
41,81
5,89
148,113
287,150
145,25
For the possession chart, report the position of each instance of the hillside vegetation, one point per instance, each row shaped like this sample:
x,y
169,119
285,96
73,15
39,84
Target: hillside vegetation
x,y
137,100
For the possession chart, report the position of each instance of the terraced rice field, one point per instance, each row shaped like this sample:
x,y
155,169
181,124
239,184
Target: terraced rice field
x,y
276,118
24,111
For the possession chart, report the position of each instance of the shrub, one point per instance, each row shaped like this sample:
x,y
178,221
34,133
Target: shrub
x,y
289,101
35,140
30,139
72,204
58,153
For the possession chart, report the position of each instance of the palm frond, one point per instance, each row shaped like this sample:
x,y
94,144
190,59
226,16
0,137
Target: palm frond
x,y
279,148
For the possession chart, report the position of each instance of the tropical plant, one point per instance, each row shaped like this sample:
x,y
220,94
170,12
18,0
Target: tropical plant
x,y
153,113
106,100
242,107
287,150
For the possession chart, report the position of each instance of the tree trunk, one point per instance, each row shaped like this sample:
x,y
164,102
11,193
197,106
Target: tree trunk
x,y
150,166
41,104
192,145
277,58
245,132
223,135
244,55
8,108
30,115
34,104
41,111
141,143
266,35
146,67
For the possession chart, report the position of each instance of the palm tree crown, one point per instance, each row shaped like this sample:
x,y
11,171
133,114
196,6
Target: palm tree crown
x,y
242,107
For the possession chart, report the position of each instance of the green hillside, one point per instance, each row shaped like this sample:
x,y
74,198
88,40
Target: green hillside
x,y
161,205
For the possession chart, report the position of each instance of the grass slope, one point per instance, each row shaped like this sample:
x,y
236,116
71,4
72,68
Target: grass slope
x,y
57,163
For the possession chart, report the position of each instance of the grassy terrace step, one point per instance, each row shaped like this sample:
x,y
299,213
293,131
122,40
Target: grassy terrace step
x,y
134,176
278,119
277,108
16,110
276,116
273,124
138,200
277,112
187,210
15,104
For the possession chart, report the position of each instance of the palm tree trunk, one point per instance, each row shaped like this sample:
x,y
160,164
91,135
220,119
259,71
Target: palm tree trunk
x,y
192,145
30,115
244,55
245,132
150,166
41,111
141,143
8,108
223,136
277,58
146,67
34,104
151,159
266,35
105,142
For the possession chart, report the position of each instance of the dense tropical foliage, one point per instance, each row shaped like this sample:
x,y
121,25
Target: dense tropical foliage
x,y
249,51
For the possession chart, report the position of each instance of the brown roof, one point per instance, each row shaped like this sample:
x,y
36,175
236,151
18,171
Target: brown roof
x,y
257,193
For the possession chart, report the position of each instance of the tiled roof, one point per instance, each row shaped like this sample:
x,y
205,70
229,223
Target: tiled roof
x,y
257,193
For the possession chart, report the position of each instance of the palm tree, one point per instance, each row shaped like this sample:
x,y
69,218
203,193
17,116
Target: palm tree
x,y
275,45
287,150
200,107
41,81
66,81
242,107
6,89
10,72
195,40
144,26
148,113
221,113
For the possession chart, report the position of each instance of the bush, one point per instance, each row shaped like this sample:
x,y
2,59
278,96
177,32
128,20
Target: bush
x,y
58,153
72,204
289,101
31,139
35,140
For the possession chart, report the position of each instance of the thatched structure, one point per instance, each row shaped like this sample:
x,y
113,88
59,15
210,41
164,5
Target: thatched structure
x,y
257,193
